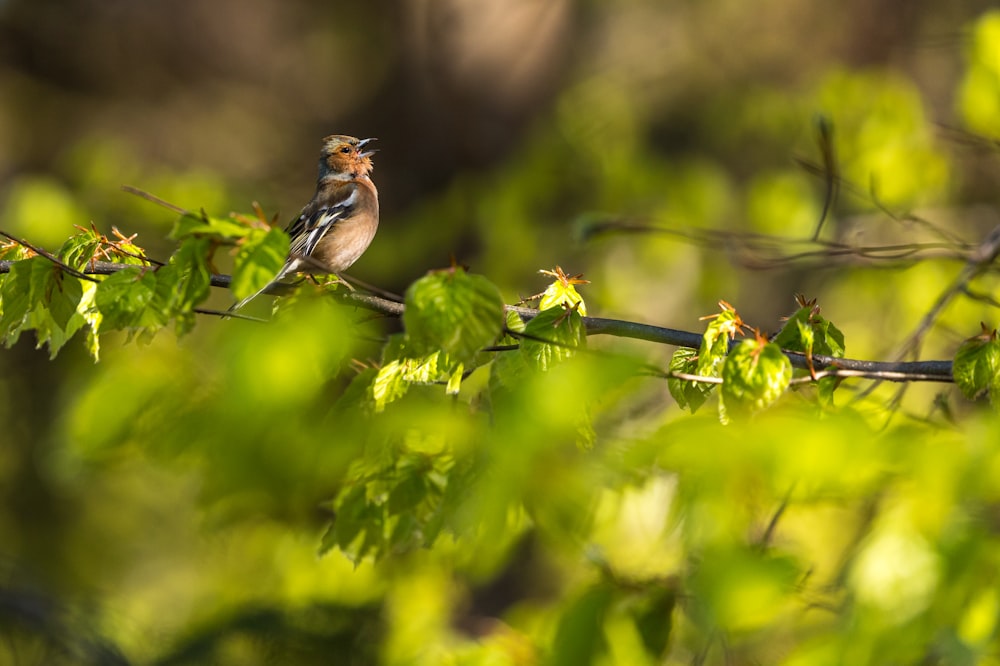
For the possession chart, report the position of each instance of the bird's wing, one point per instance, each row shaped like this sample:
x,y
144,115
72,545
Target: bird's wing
x,y
317,219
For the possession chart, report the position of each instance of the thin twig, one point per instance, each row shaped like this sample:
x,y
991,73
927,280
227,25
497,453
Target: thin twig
x,y
142,194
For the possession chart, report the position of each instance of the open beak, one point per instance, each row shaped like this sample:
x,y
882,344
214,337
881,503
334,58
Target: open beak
x,y
365,142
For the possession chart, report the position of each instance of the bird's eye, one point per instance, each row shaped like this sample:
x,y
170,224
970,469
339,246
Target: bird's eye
x,y
345,150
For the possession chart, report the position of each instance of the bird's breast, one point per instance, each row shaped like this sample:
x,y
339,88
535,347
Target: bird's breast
x,y
345,243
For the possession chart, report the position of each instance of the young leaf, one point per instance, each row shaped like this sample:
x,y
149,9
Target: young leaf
x,y
454,312
715,342
127,300
261,255
689,395
562,292
16,297
65,293
79,249
389,384
754,375
552,336
809,332
976,368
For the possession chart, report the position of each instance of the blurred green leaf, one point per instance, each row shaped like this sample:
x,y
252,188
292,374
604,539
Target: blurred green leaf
x,y
453,311
653,613
884,140
979,92
261,255
210,227
184,282
357,524
579,638
390,383
743,590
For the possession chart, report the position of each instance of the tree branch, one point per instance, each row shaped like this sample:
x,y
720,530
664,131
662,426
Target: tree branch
x,y
825,366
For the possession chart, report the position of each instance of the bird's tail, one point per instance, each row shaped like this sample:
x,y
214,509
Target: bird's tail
x,y
277,278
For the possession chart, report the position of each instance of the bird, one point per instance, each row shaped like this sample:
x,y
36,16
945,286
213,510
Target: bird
x,y
339,223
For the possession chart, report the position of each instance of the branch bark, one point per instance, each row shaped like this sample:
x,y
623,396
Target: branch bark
x,y
825,366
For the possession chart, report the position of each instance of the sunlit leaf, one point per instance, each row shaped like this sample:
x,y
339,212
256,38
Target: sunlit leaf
x,y
453,311
688,394
809,332
976,367
79,249
755,375
551,336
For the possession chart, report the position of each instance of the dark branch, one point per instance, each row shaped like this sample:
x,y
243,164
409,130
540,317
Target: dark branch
x,y
826,366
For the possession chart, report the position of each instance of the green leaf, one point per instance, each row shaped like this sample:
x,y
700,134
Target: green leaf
x,y
409,490
580,637
715,342
551,336
260,256
65,293
455,381
209,227
126,300
389,384
183,283
454,312
689,395
92,317
14,252
809,332
755,374
193,280
513,322
398,371
79,249
562,293
24,290
48,332
976,367
654,618
357,525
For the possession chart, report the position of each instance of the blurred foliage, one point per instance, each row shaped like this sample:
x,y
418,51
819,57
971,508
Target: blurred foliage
x,y
326,487
979,94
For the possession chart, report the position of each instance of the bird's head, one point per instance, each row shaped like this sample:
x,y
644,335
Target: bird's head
x,y
345,158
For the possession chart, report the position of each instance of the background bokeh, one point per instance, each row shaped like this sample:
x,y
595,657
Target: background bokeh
x,y
514,135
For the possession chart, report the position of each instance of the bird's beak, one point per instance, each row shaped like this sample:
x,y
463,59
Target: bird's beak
x,y
365,142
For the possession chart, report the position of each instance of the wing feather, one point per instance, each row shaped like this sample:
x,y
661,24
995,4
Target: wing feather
x,y
316,221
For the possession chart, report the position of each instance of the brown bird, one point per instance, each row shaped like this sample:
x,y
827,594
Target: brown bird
x,y
336,227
